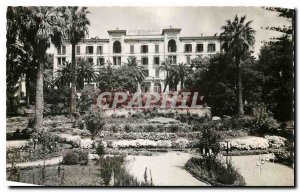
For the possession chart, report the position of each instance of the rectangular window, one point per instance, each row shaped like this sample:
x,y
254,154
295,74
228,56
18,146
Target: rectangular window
x,y
144,49
172,59
188,48
156,60
116,60
211,47
156,72
99,50
146,72
131,49
61,60
100,61
89,50
144,60
188,59
156,48
77,50
61,50
199,47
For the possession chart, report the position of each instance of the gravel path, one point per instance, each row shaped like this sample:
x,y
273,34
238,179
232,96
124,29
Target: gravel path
x,y
272,174
53,161
166,169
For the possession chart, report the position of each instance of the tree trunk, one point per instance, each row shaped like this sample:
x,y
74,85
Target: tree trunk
x,y
73,86
27,82
166,84
39,97
181,84
239,88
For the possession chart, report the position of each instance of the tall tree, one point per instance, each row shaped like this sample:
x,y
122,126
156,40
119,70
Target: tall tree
x,y
76,29
135,69
19,63
180,72
168,67
63,75
38,26
276,61
84,72
285,13
236,39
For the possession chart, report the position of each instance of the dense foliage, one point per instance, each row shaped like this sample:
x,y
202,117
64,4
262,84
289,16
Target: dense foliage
x,y
76,157
214,172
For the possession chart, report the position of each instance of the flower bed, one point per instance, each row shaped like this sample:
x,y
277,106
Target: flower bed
x,y
247,143
75,141
149,135
139,143
17,144
276,141
144,143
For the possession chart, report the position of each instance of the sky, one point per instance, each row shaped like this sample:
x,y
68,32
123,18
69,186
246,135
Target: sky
x,y
193,21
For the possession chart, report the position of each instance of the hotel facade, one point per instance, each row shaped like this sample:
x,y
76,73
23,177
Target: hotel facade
x,y
149,49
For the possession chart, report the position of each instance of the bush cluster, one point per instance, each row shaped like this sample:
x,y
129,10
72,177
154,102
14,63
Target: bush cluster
x,y
76,156
263,121
94,122
149,127
214,172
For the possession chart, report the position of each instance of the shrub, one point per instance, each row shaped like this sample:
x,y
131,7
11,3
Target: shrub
x,y
284,157
127,128
76,157
182,143
110,166
149,128
100,149
209,140
214,172
276,141
94,123
263,120
81,124
31,122
174,128
138,115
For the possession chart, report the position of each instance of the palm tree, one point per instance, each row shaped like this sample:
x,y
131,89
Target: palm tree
x,y
135,69
180,72
38,26
76,29
168,67
63,75
236,40
85,72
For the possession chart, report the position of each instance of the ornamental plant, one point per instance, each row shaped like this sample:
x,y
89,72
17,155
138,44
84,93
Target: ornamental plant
x,y
94,123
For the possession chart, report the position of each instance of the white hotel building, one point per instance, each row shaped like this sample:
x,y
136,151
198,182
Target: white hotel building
x,y
149,49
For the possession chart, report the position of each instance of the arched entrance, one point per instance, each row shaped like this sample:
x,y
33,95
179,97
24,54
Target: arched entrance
x,y
172,46
117,47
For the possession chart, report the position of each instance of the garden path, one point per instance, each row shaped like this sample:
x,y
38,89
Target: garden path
x,y
166,169
53,161
272,174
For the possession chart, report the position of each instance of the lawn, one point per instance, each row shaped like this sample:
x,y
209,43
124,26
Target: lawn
x,y
74,175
